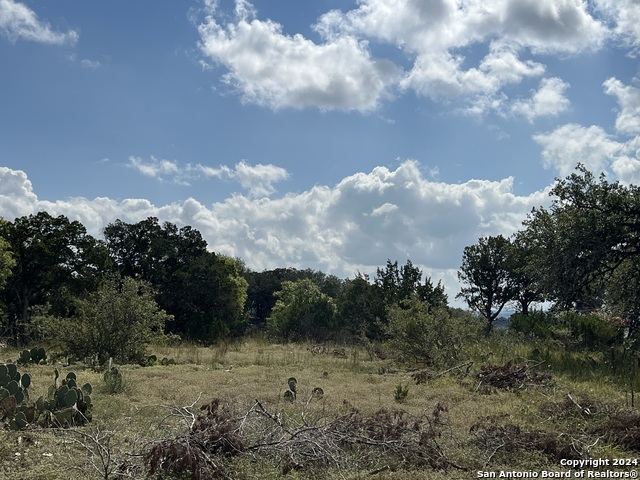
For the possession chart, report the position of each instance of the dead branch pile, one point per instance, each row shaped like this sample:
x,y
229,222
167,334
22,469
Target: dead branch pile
x,y
214,432
595,421
494,436
512,376
387,439
622,428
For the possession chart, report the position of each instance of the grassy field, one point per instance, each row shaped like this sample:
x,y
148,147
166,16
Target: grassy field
x,y
453,426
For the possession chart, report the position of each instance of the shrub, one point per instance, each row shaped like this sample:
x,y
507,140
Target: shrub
x,y
119,320
593,331
432,337
537,323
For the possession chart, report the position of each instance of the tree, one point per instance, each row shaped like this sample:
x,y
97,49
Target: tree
x,y
591,229
7,262
486,272
397,284
207,298
360,308
205,292
55,260
262,287
302,312
118,320
521,260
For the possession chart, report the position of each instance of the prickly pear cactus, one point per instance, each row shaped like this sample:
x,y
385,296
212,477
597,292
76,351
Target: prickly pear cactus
x,y
35,355
65,405
15,412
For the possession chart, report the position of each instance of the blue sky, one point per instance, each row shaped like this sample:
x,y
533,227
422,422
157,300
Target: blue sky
x,y
325,134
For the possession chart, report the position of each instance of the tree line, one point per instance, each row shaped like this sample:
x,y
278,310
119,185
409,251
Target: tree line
x,y
52,269
581,254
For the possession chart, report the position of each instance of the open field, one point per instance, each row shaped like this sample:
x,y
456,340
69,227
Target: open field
x,y
471,426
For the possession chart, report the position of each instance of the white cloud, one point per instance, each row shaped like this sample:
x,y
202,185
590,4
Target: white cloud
x,y
571,144
435,32
270,68
154,167
552,25
91,64
19,22
257,179
548,100
625,14
354,225
465,50
598,150
16,193
628,118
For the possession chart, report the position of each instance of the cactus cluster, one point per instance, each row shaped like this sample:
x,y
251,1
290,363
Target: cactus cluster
x,y
15,411
317,393
35,355
65,405
153,360
293,389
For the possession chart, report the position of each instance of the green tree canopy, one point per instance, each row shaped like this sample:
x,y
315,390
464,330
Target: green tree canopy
x,y
55,260
486,277
7,262
360,308
400,283
205,292
302,312
590,231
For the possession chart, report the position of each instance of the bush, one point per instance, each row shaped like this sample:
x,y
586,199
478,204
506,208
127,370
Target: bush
x,y
593,331
119,320
537,323
434,338
302,312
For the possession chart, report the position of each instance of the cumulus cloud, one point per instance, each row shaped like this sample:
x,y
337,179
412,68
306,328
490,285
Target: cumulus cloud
x,y
270,68
454,48
625,15
628,118
257,179
570,144
593,146
354,225
548,100
19,22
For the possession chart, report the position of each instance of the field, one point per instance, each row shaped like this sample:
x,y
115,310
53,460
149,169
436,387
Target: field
x,y
454,424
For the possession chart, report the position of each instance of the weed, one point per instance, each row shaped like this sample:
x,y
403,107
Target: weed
x,y
400,393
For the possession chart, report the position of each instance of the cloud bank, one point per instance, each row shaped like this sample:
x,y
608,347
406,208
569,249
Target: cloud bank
x,y
467,50
354,225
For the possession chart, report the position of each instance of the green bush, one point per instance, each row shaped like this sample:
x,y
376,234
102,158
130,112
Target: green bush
x,y
119,320
302,312
537,324
431,337
592,331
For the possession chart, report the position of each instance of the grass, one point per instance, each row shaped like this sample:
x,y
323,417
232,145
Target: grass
x,y
152,407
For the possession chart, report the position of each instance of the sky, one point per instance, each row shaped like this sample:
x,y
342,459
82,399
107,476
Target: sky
x,y
328,134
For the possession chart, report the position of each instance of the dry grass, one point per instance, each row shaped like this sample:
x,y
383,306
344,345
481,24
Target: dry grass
x,y
241,373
